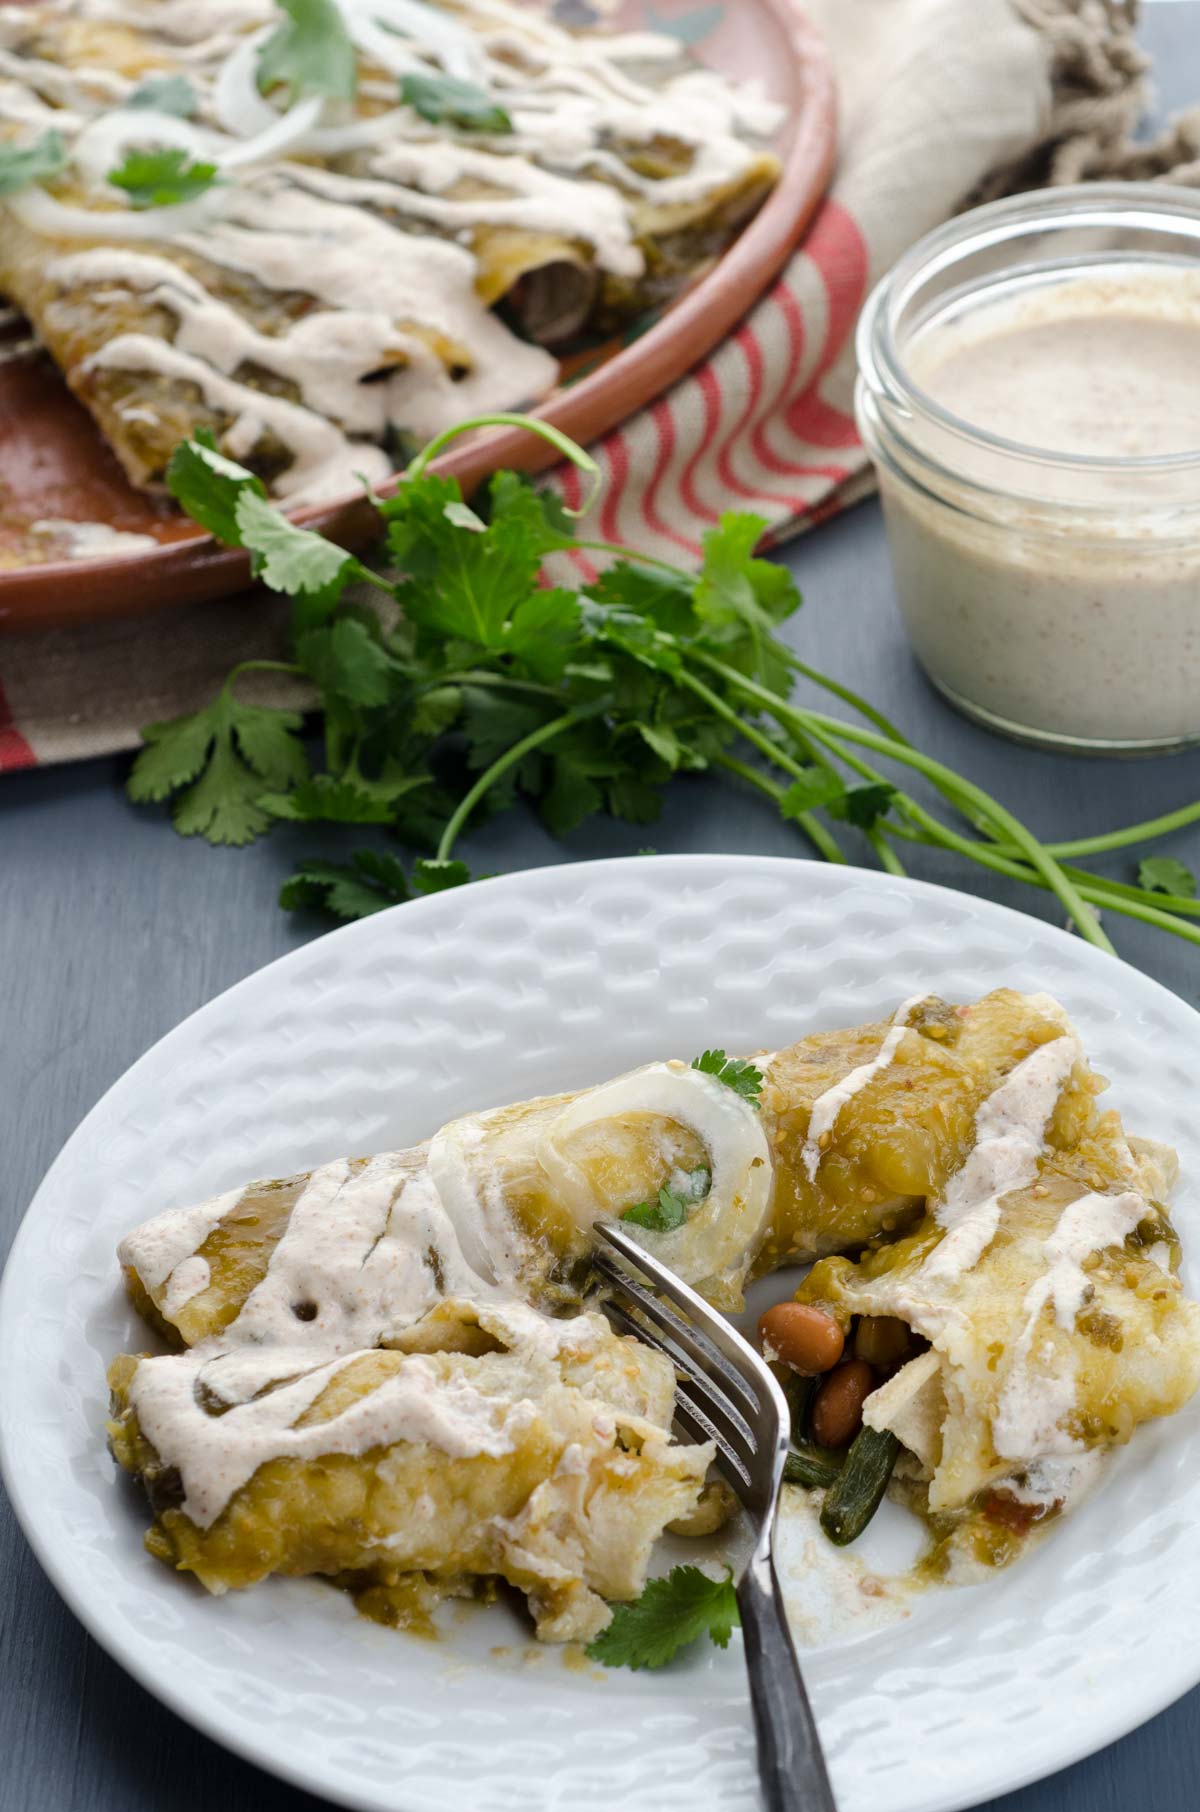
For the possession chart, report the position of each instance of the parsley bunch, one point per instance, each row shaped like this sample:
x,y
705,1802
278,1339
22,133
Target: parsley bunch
x,y
471,682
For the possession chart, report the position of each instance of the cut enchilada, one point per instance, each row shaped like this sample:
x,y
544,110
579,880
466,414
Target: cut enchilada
x,y
956,1156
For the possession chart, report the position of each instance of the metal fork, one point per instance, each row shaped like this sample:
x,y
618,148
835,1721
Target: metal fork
x,y
727,1394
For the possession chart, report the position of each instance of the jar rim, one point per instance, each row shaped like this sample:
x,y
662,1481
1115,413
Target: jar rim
x,y
881,365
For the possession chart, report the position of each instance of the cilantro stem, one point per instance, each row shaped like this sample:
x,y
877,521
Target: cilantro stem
x,y
497,681
821,839
504,418
1130,833
501,765
1094,888
962,793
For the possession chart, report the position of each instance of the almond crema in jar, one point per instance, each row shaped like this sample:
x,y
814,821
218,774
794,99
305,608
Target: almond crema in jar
x,y
1030,391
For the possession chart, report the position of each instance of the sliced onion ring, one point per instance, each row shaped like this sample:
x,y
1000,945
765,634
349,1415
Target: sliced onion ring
x,y
102,143
718,1238
452,44
291,131
237,103
42,213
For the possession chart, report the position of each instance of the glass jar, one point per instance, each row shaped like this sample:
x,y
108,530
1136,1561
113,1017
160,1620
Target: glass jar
x,y
1046,539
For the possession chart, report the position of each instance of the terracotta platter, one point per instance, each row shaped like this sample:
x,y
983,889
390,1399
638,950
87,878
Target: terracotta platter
x,y
54,463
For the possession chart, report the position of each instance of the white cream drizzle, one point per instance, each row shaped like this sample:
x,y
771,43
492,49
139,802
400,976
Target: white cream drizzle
x,y
394,295
89,540
828,1106
367,1251
155,1248
1010,1129
1029,1415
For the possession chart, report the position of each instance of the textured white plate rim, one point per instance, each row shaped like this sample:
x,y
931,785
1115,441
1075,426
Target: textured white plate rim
x,y
1140,1698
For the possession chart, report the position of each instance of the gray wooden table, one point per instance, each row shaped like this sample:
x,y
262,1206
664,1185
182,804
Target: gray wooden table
x,y
112,930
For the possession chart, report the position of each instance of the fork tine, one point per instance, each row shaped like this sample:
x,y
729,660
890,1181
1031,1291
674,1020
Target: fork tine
x,y
736,1352
704,1354
728,1422
697,1426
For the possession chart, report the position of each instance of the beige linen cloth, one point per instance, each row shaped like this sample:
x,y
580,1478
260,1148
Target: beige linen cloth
x,y
943,102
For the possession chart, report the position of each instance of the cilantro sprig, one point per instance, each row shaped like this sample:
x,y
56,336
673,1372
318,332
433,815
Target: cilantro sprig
x,y
671,1614
737,1073
164,94
672,1206
160,178
466,677
23,165
1164,874
309,52
448,100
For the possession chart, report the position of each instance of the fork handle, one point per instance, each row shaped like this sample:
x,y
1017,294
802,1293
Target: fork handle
x,y
790,1761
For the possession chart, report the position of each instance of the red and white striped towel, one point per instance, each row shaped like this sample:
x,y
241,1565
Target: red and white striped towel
x,y
937,99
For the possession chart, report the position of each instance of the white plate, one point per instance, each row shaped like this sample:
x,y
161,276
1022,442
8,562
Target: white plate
x,y
374,1035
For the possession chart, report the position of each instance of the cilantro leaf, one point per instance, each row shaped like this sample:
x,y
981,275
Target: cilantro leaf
x,y
1164,874
447,99
863,805
209,486
310,52
818,787
368,883
164,94
737,1073
663,1216
433,876
347,659
544,514
670,1614
160,178
544,631
733,586
21,165
326,797
463,583
673,1205
218,761
287,558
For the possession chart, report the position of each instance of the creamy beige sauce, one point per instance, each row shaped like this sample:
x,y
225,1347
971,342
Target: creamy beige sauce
x,y
399,304
370,1250
73,540
1073,609
1010,1129
829,1105
1029,1416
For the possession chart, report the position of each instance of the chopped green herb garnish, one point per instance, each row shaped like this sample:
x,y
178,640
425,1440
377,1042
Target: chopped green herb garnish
x,y
159,179
673,1205
446,100
670,1614
165,94
22,165
737,1073
310,52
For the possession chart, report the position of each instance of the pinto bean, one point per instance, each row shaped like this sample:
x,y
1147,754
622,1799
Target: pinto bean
x,y
837,1407
802,1336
